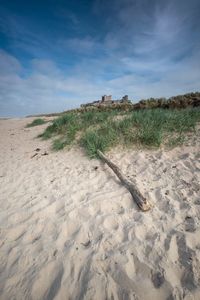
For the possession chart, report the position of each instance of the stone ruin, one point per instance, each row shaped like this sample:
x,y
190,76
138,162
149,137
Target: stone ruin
x,y
107,100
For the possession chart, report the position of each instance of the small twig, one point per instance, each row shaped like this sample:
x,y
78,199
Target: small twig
x,y
45,153
34,155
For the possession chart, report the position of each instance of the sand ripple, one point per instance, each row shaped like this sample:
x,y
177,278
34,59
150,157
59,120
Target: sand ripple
x,y
70,230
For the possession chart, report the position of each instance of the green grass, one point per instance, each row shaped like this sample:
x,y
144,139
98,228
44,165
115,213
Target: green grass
x,y
106,129
36,122
102,138
58,144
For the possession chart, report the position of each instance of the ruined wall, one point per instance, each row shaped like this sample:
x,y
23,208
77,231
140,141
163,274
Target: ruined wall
x,y
106,98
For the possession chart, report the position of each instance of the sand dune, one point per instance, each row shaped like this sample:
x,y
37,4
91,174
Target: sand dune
x,y
70,230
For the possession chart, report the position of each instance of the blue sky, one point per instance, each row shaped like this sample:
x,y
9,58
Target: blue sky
x,y
55,55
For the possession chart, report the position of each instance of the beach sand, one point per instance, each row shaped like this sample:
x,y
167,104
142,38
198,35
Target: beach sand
x,y
70,230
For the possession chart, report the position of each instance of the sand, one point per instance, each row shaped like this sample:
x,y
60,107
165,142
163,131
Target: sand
x,y
70,230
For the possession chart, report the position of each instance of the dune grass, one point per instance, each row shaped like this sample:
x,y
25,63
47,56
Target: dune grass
x,y
104,130
36,122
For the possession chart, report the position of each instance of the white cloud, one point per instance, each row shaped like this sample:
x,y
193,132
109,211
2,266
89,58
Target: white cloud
x,y
47,88
8,63
146,52
81,44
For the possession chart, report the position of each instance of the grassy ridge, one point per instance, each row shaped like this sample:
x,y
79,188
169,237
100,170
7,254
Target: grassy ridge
x,y
180,101
36,122
102,130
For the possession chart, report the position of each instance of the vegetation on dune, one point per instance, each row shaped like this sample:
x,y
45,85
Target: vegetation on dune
x,y
36,122
102,130
147,124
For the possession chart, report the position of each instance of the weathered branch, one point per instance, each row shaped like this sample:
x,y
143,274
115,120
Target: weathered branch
x,y
137,196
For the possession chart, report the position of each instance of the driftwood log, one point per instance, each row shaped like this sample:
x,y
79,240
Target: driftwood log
x,y
137,196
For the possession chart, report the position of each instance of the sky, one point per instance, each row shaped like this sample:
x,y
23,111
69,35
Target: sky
x,y
56,54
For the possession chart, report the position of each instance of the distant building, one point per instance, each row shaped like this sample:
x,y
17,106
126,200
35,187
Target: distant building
x,y
125,98
107,100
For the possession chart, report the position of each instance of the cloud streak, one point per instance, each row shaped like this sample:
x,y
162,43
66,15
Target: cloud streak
x,y
144,51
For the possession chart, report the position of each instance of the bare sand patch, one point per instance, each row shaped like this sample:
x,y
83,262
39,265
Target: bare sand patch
x,y
70,230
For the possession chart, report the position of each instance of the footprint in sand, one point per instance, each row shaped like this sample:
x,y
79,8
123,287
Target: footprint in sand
x,y
190,225
186,255
47,282
110,223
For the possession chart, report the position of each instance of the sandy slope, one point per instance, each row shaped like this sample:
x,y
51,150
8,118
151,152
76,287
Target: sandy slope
x,y
69,230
